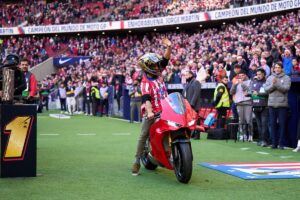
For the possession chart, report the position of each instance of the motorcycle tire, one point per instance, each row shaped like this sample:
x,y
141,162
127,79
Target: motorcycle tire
x,y
147,162
183,162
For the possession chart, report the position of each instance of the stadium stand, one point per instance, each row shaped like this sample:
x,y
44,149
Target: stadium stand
x,y
218,48
26,13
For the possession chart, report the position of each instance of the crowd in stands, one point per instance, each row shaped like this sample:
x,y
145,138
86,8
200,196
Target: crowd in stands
x,y
30,47
37,12
138,9
251,44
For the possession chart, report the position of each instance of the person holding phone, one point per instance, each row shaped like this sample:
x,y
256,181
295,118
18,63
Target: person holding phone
x,y
240,89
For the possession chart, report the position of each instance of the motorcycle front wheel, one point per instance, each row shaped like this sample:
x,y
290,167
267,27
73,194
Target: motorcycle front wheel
x,y
183,162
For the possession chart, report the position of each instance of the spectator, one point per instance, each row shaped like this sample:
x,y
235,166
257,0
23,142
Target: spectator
x,y
242,63
201,74
44,92
118,93
287,62
192,92
71,102
220,72
104,99
235,79
230,63
268,58
135,94
265,67
252,71
62,93
176,75
240,89
87,98
255,60
260,106
277,86
296,67
79,97
168,78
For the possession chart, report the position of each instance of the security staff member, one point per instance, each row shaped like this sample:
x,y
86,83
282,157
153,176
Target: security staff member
x,y
95,96
221,101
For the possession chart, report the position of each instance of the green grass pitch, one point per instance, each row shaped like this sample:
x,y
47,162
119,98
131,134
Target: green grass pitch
x,y
72,165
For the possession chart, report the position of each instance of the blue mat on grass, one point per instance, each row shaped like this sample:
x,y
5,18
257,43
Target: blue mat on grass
x,y
258,170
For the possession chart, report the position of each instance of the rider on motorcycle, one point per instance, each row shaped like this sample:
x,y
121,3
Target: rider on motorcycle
x,y
153,90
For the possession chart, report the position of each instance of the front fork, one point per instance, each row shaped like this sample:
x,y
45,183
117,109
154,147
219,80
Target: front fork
x,y
174,138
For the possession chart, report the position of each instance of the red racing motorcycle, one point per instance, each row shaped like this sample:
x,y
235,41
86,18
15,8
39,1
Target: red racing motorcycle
x,y
169,143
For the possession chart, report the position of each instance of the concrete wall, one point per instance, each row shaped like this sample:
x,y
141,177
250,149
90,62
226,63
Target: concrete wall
x,y
43,69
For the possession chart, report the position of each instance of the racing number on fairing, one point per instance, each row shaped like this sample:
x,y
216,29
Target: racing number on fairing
x,y
19,131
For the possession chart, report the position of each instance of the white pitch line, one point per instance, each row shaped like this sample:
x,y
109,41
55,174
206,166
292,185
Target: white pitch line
x,y
50,134
263,153
244,149
124,120
120,134
284,157
86,134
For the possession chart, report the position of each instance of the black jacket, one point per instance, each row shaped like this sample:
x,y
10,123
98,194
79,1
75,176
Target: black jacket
x,y
192,92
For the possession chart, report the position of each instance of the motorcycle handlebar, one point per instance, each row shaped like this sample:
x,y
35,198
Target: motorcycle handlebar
x,y
156,116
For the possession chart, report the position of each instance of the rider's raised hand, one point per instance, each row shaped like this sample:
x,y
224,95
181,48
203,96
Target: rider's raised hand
x,y
166,42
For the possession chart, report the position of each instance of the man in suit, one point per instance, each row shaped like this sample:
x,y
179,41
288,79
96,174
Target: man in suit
x,y
191,92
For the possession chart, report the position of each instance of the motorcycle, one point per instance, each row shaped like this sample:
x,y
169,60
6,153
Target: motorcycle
x,y
169,143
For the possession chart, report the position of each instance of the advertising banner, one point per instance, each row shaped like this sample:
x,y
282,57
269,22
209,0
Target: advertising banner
x,y
157,21
65,61
254,10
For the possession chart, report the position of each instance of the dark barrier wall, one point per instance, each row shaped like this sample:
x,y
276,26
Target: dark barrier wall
x,y
207,96
18,140
294,99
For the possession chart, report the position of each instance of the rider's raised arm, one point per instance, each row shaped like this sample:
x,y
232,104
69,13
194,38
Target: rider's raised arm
x,y
167,55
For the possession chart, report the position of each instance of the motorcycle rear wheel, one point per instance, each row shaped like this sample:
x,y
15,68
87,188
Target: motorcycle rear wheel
x,y
183,162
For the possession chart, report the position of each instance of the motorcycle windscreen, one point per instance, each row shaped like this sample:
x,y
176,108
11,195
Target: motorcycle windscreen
x,y
176,101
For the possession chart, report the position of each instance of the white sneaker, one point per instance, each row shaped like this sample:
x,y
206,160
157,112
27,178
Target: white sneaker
x,y
250,139
241,137
297,149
